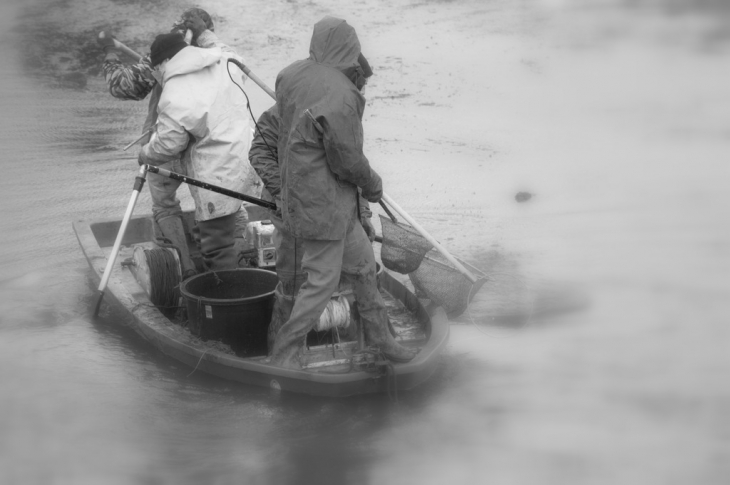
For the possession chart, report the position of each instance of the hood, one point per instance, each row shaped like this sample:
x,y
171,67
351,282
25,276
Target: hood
x,y
191,59
335,44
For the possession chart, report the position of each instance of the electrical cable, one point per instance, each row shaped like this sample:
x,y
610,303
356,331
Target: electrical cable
x,y
248,106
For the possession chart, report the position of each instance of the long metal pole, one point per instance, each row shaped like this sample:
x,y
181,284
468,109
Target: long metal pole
x,y
211,187
138,184
430,239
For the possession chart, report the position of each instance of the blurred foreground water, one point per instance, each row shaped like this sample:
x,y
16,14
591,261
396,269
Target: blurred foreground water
x,y
596,354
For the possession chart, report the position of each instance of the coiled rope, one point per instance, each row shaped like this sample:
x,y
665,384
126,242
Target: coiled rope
x,y
336,314
164,276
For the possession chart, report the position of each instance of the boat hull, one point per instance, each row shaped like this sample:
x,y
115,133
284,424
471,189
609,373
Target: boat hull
x,y
96,239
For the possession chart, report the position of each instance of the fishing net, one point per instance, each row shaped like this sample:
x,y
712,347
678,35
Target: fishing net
x,y
444,285
403,247
406,251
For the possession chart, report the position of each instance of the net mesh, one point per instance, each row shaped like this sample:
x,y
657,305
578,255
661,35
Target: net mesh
x,y
403,247
436,280
406,251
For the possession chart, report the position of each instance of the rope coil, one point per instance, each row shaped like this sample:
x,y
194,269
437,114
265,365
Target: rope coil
x,y
335,315
159,272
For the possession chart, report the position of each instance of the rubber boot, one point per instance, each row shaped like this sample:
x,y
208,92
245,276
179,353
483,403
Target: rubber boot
x,y
172,229
288,357
378,335
374,317
217,243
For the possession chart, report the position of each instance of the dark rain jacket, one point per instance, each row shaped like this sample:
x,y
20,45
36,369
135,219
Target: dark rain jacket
x,y
264,159
321,137
264,149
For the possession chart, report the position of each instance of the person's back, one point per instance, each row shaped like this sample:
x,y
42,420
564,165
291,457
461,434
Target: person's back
x,y
200,97
320,150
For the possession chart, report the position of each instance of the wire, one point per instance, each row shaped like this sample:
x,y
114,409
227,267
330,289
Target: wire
x,y
248,106
199,361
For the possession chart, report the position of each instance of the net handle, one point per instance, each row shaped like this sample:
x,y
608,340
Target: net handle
x,y
430,238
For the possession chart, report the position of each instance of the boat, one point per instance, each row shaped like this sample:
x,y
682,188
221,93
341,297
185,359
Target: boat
x,y
332,365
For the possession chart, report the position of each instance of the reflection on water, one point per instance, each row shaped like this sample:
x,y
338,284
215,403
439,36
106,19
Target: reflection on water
x,y
596,353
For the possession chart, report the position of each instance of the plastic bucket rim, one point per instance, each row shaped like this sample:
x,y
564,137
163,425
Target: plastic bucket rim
x,y
188,296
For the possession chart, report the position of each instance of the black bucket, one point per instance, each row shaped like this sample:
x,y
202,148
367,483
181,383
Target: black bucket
x,y
233,306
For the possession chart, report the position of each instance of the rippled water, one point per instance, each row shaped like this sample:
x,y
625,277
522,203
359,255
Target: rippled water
x,y
596,354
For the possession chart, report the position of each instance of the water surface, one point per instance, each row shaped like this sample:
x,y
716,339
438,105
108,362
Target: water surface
x,y
597,353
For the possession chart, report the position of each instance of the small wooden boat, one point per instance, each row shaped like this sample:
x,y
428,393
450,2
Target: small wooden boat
x,y
337,367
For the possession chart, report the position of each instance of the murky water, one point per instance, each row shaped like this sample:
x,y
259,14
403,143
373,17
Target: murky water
x,y
596,354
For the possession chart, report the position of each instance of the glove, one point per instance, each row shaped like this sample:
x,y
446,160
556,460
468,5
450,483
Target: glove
x,y
369,229
373,191
196,25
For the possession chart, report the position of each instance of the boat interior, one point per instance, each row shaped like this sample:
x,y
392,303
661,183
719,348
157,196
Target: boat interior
x,y
240,326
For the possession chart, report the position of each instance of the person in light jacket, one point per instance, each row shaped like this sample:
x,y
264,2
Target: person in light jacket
x,y
323,169
136,82
203,121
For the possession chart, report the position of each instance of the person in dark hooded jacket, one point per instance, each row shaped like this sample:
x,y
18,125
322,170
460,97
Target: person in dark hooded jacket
x,y
320,151
263,156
